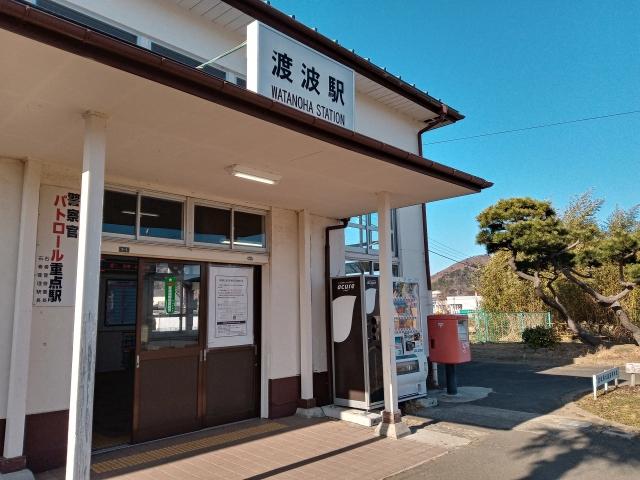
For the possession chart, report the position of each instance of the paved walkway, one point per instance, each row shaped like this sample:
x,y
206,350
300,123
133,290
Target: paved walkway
x,y
292,448
526,430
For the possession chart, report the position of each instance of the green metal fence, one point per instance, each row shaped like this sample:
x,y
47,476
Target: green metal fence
x,y
487,327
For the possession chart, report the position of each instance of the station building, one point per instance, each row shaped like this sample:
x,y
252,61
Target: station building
x,y
179,180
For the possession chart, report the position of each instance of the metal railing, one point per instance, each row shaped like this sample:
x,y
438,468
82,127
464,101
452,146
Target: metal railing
x,y
490,327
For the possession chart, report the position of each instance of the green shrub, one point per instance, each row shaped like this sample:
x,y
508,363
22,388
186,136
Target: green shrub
x,y
539,337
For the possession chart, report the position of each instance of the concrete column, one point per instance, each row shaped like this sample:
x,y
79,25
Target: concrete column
x,y
86,302
306,403
19,366
391,425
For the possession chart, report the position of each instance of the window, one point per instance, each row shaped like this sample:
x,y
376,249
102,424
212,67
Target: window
x,y
86,20
362,244
211,225
186,60
142,215
368,267
119,213
170,305
122,212
161,218
248,230
361,235
357,267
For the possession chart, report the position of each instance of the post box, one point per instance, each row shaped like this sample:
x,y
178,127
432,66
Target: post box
x,y
449,339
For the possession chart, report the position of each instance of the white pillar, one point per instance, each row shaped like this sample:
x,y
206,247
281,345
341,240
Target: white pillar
x,y
306,339
86,302
307,402
391,425
19,366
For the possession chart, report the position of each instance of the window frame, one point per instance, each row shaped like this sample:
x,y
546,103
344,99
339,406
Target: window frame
x,y
233,230
162,196
196,202
365,228
188,221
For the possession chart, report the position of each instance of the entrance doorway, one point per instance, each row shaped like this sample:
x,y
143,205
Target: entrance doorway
x,y
177,350
115,353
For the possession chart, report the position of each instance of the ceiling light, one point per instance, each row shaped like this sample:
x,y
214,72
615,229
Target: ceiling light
x,y
254,175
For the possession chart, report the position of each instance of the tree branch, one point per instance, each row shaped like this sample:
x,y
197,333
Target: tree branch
x,y
601,299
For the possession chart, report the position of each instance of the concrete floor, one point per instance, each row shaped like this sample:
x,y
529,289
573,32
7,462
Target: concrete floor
x,y
289,448
525,429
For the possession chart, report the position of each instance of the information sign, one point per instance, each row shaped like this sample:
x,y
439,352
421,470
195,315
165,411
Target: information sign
x,y
230,306
56,247
170,294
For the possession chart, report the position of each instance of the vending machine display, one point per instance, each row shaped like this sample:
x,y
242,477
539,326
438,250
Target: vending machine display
x,y
357,346
411,356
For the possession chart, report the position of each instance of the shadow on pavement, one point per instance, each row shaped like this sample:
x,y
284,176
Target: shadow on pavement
x,y
558,452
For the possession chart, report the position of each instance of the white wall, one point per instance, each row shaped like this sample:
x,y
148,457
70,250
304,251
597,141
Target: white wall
x,y
318,286
284,327
51,335
11,172
170,24
386,124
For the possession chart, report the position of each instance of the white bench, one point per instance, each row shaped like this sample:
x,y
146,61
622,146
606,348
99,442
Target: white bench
x,y
603,378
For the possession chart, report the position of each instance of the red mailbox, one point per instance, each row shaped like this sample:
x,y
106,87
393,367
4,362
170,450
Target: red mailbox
x,y
449,339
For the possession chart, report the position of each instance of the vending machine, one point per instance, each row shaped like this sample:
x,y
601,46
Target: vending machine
x,y
357,346
410,343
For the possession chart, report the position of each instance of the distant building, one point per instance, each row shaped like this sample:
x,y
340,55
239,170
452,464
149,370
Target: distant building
x,y
455,304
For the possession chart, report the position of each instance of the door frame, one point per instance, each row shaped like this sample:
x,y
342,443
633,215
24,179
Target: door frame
x,y
260,279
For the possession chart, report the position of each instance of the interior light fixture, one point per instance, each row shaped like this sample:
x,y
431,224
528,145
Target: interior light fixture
x,y
254,175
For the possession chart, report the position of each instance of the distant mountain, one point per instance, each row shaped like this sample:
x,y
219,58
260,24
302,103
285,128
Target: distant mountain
x,y
459,278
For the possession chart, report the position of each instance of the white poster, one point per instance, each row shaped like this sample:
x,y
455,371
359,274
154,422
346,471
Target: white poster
x,y
56,247
289,72
230,306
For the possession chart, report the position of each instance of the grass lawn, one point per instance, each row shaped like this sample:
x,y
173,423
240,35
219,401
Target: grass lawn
x,y
621,405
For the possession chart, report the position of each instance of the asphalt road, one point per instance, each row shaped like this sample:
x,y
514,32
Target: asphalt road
x,y
523,387
522,432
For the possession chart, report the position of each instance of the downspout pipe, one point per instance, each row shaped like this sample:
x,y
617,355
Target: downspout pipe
x,y
327,299
432,381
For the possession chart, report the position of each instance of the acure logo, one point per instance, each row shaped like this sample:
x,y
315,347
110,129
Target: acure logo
x,y
345,287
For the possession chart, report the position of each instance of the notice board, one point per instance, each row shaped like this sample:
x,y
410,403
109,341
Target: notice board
x,y
230,318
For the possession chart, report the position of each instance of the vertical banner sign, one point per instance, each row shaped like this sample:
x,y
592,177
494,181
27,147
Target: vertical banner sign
x,y
170,294
230,306
56,247
291,73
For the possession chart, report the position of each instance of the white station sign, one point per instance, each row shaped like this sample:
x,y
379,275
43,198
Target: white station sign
x,y
291,73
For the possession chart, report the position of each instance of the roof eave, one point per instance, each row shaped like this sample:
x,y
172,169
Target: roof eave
x,y
42,26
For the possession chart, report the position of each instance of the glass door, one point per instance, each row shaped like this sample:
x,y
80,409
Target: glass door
x,y
168,349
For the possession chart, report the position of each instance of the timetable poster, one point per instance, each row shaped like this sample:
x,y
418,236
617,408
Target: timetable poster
x,y
232,306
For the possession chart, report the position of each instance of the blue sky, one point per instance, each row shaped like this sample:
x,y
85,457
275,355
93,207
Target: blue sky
x,y
506,65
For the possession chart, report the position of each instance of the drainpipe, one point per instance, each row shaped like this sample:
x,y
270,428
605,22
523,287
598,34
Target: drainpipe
x,y
432,372
327,300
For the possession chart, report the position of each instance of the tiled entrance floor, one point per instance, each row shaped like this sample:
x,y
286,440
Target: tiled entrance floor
x,y
292,447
